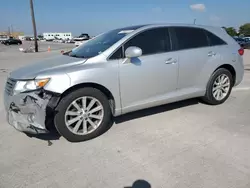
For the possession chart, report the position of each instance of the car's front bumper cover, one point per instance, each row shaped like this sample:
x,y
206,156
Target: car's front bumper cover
x,y
27,112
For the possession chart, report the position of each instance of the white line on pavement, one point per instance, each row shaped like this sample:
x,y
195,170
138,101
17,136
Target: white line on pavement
x,y
241,88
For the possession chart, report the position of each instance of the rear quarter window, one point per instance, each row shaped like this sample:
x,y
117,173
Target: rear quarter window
x,y
214,40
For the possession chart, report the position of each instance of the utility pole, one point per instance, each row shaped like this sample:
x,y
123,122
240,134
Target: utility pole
x,y
9,31
34,25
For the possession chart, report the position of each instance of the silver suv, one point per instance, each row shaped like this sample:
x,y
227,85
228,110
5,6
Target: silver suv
x,y
121,71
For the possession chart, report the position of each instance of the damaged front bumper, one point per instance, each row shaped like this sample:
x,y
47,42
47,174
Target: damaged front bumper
x,y
29,112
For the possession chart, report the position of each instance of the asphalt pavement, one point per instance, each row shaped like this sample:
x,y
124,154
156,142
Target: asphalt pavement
x,y
181,145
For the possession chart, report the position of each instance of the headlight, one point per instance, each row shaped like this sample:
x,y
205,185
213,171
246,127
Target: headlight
x,y
22,86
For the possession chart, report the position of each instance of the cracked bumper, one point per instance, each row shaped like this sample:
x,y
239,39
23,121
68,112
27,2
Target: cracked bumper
x,y
26,112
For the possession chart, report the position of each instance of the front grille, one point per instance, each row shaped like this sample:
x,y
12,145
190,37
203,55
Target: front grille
x,y
9,87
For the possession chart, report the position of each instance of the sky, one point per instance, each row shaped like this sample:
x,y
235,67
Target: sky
x,y
96,16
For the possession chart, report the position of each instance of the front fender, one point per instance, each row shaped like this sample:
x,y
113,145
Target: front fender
x,y
103,74
58,83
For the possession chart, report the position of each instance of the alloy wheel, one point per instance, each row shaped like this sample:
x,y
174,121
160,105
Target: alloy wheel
x,y
221,87
84,115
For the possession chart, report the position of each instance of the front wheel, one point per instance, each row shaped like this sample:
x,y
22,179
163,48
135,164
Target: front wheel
x,y
219,87
83,114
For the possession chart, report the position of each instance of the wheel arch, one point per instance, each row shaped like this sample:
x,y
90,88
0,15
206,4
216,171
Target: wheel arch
x,y
101,88
230,68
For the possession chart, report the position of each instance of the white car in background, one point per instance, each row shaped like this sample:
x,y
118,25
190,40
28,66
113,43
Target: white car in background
x,y
3,38
78,43
81,39
58,40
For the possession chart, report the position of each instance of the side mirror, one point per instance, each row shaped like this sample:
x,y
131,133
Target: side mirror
x,y
133,51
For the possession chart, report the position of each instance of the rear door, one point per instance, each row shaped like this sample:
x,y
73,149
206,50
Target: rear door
x,y
194,54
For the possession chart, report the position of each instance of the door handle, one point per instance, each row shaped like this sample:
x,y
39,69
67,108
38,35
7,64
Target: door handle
x,y
210,54
171,61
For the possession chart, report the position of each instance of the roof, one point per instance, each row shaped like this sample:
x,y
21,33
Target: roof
x,y
135,27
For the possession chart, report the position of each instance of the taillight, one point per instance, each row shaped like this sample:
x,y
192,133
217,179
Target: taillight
x,y
241,51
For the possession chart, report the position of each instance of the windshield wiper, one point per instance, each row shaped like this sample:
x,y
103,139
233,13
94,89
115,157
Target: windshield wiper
x,y
73,55
76,56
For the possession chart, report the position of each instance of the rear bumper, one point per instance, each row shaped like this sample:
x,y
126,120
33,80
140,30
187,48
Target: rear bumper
x,y
239,69
27,112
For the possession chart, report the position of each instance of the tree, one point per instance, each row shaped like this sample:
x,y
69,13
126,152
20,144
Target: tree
x,y
231,31
245,29
34,25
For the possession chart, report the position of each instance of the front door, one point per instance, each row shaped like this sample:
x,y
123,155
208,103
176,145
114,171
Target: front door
x,y
145,81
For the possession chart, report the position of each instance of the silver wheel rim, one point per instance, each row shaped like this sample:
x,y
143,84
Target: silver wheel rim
x,y
221,87
84,115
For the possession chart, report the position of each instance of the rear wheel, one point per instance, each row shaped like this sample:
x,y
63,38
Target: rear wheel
x,y
219,87
83,114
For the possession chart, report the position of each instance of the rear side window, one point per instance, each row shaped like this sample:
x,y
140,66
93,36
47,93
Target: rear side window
x,y
214,40
188,38
152,41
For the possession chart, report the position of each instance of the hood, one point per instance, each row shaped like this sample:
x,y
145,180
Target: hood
x,y
49,64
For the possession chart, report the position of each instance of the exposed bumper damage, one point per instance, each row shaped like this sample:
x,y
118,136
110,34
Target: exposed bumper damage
x,y
30,112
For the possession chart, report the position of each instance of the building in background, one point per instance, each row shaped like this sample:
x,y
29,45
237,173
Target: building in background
x,y
12,34
3,37
51,36
7,35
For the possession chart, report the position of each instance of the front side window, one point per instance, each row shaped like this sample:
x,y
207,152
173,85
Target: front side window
x,y
117,55
188,38
152,41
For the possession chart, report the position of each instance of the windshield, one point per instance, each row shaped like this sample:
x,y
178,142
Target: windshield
x,y
99,44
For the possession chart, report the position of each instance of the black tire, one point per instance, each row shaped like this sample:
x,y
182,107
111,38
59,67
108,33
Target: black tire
x,y
209,98
67,100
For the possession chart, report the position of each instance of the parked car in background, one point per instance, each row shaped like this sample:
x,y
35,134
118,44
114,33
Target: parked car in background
x,y
122,71
69,41
81,39
58,40
243,42
49,40
12,41
78,43
83,36
247,39
3,38
27,38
